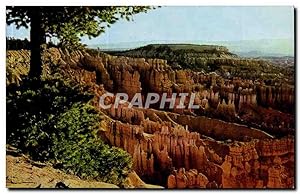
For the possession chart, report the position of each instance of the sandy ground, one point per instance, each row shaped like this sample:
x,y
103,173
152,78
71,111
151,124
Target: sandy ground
x,y
21,172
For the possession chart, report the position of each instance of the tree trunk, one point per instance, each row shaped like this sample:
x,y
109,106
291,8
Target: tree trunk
x,y
37,38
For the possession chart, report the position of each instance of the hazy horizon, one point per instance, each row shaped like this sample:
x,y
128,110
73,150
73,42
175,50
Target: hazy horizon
x,y
196,24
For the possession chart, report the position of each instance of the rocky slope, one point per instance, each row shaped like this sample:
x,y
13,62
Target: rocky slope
x,y
226,143
21,172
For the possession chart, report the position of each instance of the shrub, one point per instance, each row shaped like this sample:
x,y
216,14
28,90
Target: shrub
x,y
51,120
79,150
32,109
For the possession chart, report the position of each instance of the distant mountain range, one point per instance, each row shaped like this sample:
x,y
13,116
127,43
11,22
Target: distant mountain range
x,y
244,48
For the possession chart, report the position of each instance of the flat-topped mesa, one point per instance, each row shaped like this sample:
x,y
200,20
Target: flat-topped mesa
x,y
211,48
193,56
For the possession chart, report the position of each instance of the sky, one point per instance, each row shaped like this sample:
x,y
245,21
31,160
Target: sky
x,y
180,24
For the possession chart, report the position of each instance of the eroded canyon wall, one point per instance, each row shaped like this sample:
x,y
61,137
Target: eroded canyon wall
x,y
184,148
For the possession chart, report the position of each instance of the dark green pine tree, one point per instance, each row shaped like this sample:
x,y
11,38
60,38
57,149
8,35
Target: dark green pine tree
x,y
67,24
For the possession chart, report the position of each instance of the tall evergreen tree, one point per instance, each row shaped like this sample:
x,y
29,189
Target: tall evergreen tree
x,y
67,24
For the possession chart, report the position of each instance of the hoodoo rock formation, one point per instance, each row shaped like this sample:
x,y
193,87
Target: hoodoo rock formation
x,y
226,143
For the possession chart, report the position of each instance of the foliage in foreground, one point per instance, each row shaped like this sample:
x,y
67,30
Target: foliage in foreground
x,y
51,120
69,23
